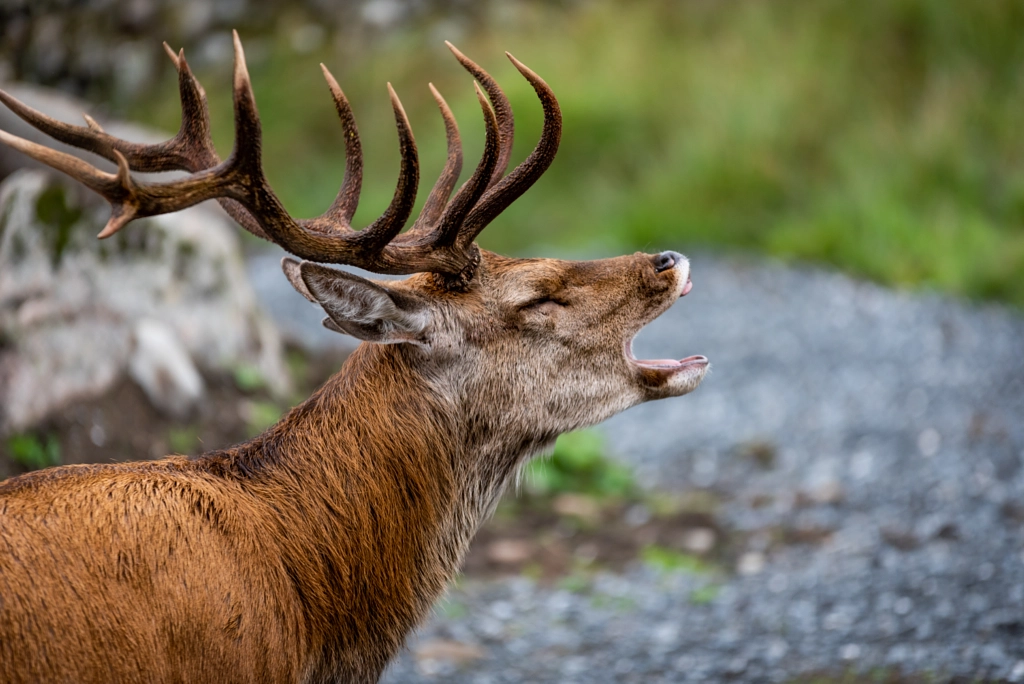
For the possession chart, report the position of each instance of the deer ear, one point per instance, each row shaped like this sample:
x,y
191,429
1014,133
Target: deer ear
x,y
366,310
292,272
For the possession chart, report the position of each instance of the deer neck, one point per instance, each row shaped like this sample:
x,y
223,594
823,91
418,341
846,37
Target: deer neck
x,y
375,486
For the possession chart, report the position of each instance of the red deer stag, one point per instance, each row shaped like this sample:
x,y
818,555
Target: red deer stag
x,y
308,553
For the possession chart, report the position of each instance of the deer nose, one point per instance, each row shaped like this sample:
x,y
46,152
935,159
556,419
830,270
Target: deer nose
x,y
666,260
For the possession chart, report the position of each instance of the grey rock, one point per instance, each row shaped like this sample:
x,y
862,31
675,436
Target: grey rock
x,y
162,367
72,308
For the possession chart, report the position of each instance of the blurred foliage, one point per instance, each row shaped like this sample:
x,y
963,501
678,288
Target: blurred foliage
x,y
34,452
260,415
248,378
183,439
578,581
670,560
55,214
705,594
579,465
880,136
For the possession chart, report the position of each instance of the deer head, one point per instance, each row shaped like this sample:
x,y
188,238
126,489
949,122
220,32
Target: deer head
x,y
525,349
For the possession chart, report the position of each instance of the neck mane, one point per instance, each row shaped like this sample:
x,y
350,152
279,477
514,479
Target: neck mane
x,y
374,487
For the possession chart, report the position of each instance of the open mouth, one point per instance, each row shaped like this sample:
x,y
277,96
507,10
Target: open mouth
x,y
669,366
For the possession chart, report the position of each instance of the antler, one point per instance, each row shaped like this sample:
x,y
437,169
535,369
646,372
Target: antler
x,y
440,241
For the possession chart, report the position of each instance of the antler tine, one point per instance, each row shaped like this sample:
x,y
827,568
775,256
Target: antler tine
x,y
451,220
194,142
165,156
247,151
323,238
344,207
502,111
124,211
442,189
512,186
391,222
106,184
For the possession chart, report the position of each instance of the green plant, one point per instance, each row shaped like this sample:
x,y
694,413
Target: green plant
x,y
670,560
260,415
183,439
577,582
579,464
248,377
34,452
58,218
705,594
620,604
451,609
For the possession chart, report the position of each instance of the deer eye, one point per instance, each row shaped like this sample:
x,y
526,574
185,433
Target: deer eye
x,y
544,304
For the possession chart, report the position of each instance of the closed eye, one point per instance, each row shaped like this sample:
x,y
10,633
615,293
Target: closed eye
x,y
544,303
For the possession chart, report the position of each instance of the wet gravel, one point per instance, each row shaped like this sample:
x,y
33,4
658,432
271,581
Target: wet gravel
x,y
888,426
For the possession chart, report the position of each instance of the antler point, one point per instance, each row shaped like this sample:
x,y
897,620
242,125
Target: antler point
x,y
458,53
170,53
332,83
394,98
91,123
116,223
123,172
241,79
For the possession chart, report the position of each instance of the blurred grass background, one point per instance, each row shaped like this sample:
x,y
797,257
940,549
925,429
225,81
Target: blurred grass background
x,y
882,137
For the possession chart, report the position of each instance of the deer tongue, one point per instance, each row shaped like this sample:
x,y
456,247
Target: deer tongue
x,y
672,363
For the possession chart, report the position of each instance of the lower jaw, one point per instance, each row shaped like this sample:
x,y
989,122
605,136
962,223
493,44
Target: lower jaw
x,y
677,380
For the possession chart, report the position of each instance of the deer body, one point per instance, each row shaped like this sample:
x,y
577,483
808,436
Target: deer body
x,y
308,553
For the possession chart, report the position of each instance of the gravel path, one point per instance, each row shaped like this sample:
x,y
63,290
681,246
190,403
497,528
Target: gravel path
x,y
890,424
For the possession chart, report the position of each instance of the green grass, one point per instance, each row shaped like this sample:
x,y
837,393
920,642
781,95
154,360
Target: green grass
x,y
579,465
261,415
248,378
34,452
882,137
183,439
704,595
670,560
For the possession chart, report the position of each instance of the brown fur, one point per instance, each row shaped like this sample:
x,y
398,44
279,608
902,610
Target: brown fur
x,y
310,552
